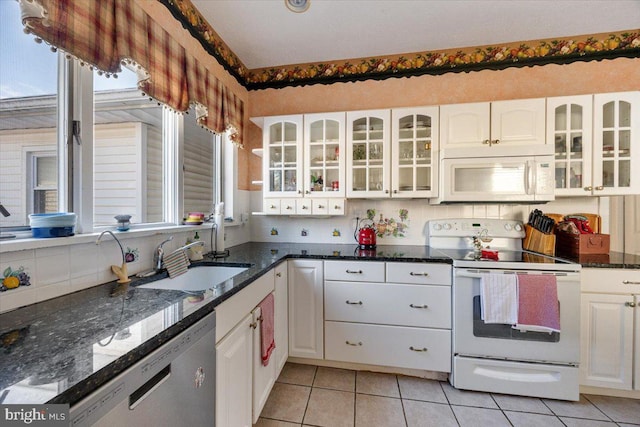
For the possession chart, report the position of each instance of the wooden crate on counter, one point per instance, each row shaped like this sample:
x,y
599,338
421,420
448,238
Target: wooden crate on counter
x,y
537,241
576,245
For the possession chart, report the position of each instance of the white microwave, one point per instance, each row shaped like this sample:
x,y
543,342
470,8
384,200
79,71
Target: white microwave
x,y
497,179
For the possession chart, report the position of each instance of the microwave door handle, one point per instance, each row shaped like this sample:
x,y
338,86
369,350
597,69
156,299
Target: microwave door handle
x,y
528,177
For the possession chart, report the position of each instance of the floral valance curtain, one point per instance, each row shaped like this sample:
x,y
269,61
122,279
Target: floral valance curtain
x,y
109,33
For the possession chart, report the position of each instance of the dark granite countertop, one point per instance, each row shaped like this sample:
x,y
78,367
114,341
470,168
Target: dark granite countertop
x,y
610,260
61,350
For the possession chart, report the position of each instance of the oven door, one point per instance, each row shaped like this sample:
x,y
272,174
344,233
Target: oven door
x,y
474,338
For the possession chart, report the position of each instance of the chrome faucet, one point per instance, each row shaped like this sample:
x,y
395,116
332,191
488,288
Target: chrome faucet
x,y
120,272
158,256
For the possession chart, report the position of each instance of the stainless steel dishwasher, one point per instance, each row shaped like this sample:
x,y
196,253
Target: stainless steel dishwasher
x,y
174,385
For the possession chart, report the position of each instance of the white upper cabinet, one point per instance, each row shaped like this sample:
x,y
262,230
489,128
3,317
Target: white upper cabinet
x,y
324,144
514,127
616,135
282,156
414,152
368,153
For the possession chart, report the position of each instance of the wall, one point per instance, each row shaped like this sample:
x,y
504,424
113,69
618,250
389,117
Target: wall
x,y
621,74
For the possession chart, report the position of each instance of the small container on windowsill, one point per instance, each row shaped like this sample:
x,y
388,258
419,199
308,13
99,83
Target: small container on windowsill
x,y
58,224
123,222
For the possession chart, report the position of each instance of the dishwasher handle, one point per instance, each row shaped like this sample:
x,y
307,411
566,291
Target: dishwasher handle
x,y
149,387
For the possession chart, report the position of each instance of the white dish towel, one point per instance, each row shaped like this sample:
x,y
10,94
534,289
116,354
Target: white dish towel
x,y
499,298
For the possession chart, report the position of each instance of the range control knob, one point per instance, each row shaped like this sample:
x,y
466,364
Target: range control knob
x,y
518,227
508,226
437,226
447,226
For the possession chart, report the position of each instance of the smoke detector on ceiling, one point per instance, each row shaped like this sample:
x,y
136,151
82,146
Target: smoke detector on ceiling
x,y
297,6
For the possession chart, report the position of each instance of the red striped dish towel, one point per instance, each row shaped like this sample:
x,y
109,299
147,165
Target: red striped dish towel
x,y
267,341
499,298
176,263
538,307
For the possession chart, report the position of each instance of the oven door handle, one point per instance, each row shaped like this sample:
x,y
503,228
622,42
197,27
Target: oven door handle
x,y
478,273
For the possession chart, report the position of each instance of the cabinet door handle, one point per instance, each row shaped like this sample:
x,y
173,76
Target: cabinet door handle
x,y
589,188
395,191
278,274
320,206
307,192
629,282
304,207
337,207
253,325
599,188
299,191
354,303
630,304
419,274
288,207
354,271
412,348
272,206
386,191
495,141
418,306
486,141
355,344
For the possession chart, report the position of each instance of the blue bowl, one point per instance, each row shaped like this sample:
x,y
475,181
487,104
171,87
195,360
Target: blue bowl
x,y
52,232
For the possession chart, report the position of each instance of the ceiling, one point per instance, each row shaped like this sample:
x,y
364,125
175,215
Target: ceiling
x,y
264,33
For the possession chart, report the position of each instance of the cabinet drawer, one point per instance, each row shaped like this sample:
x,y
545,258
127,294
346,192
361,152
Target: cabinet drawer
x,y
303,207
356,271
319,206
610,280
287,207
336,207
419,272
402,347
271,206
390,304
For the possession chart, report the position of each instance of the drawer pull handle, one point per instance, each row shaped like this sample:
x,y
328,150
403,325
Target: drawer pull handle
x,y
419,274
630,304
354,271
418,306
629,282
412,348
355,344
253,325
354,303
278,274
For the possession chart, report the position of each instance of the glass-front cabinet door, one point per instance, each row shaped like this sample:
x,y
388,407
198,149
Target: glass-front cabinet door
x,y
368,153
324,144
282,156
616,143
414,148
569,128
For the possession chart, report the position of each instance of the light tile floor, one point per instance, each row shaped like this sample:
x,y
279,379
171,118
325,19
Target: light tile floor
x,y
307,395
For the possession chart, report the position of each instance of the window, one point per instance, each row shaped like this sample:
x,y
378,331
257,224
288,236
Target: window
x,y
28,122
128,152
130,155
43,183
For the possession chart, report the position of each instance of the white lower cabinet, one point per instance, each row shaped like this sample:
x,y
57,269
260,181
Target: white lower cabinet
x,y
243,384
233,376
306,308
610,328
378,321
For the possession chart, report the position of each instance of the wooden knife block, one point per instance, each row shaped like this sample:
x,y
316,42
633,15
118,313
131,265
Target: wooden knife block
x,y
537,241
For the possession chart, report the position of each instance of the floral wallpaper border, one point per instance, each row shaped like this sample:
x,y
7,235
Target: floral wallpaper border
x,y
557,51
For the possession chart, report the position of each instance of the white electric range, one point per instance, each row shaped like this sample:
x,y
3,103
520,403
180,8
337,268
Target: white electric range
x,y
496,357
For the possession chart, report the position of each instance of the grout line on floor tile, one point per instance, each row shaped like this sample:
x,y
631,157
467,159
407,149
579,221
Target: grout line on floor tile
x,y
597,407
404,413
304,415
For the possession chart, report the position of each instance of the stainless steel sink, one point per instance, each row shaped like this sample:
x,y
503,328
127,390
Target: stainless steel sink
x,y
197,279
